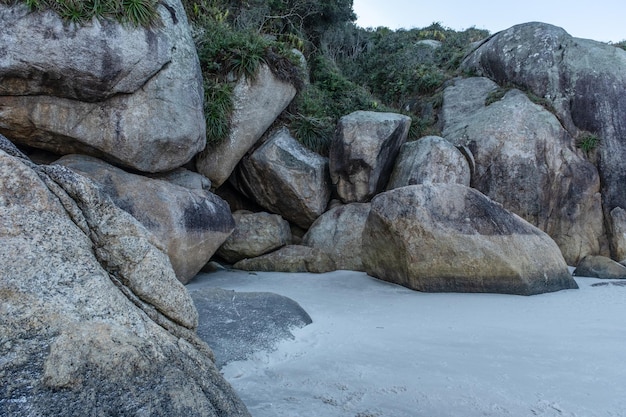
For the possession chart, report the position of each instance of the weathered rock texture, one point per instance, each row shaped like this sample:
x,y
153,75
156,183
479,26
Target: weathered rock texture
x,y
526,161
92,318
132,96
237,324
255,234
448,237
338,233
363,152
583,79
285,178
429,160
617,222
600,267
256,105
290,258
190,223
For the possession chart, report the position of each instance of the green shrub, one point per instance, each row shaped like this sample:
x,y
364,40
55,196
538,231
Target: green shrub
x,y
587,141
134,12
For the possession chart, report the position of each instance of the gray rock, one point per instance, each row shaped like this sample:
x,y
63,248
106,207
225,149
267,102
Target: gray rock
x,y
255,234
617,233
185,178
191,224
600,267
526,161
91,308
291,258
451,238
429,160
285,178
256,105
238,324
363,152
583,79
131,96
338,233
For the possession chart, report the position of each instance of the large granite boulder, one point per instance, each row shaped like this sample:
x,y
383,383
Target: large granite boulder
x,y
285,178
338,233
130,95
617,233
363,152
256,105
290,258
429,160
584,81
255,234
451,238
238,324
600,267
525,160
191,223
92,318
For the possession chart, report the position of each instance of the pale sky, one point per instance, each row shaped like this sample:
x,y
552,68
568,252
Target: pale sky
x,y
601,20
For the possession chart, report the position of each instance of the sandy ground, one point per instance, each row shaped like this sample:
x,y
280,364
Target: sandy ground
x,y
377,349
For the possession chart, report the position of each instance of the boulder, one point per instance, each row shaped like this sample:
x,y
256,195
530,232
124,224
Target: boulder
x,y
363,152
583,80
429,160
255,234
190,223
238,324
291,258
256,105
451,238
526,161
184,178
617,233
600,267
130,95
285,178
338,233
93,319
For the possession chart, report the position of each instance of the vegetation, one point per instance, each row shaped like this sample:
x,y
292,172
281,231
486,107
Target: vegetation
x,y
134,12
588,141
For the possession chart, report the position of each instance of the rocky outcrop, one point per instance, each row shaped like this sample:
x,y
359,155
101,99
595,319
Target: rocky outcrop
x,y
447,237
291,258
256,105
363,152
93,319
287,179
429,160
255,234
190,223
237,324
600,267
525,160
338,233
584,81
132,96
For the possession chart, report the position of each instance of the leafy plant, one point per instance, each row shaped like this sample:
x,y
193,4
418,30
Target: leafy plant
x,y
218,106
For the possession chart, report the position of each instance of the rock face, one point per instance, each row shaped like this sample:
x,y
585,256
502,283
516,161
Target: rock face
x,y
255,234
525,160
338,233
583,79
363,152
429,160
600,267
132,96
190,223
447,237
291,258
285,178
256,105
92,317
237,324
617,221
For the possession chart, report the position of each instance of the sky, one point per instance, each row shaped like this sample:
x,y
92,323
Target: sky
x,y
601,20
